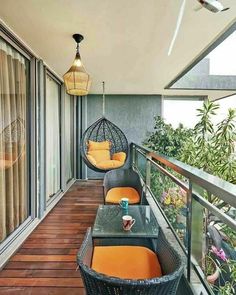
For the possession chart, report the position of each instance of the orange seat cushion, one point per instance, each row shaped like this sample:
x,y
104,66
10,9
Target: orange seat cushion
x,y
115,194
96,146
91,160
126,262
100,155
5,164
109,164
121,156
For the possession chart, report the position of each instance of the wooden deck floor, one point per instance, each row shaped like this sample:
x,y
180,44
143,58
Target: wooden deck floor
x,y
46,263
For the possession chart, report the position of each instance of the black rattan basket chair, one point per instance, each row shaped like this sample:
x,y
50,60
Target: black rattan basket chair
x,y
122,178
99,284
104,130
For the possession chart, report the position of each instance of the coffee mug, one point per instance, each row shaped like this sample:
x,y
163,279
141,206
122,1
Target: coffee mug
x,y
128,222
124,203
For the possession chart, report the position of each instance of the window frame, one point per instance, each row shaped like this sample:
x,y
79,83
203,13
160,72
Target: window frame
x,y
49,73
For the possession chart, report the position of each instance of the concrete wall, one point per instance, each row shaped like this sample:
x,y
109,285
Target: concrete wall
x,y
133,114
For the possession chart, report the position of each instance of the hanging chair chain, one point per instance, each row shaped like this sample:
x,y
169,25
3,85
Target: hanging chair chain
x,y
103,99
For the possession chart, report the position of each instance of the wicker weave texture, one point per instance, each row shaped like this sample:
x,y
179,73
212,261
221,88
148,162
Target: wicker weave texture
x,y
103,130
99,284
122,178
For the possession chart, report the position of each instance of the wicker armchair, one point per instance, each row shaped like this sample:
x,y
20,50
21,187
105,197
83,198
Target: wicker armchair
x,y
99,284
122,178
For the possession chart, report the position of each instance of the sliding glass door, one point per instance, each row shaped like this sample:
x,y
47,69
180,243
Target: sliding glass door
x,y
14,101
53,149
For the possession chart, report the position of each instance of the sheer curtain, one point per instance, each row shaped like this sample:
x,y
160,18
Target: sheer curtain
x,y
69,136
13,177
52,137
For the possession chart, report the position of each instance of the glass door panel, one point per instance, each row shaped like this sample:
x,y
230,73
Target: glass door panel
x,y
14,197
53,161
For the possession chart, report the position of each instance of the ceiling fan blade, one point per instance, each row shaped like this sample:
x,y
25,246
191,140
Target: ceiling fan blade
x,y
225,9
179,20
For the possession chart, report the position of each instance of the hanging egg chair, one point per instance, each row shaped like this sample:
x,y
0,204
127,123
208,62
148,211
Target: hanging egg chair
x,y
104,146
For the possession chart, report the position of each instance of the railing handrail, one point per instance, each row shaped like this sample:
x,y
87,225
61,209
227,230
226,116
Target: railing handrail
x,y
213,184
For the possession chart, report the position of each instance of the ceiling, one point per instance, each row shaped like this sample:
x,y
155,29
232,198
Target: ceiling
x,y
126,42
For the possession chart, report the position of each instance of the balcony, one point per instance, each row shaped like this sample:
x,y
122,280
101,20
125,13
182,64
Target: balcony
x,y
46,261
49,189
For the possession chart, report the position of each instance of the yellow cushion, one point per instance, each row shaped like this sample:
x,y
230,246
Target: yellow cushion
x,y
91,160
126,262
115,194
100,155
121,156
109,164
95,146
5,164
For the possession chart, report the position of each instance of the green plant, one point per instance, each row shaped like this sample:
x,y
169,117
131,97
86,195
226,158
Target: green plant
x,y
208,147
167,140
227,286
212,148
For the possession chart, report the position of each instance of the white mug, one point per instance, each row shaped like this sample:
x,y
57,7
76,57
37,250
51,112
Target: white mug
x,y
128,222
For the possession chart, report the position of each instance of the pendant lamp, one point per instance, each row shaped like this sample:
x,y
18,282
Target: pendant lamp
x,y
76,79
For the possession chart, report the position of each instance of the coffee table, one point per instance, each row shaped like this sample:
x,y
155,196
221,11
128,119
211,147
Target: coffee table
x,y
108,222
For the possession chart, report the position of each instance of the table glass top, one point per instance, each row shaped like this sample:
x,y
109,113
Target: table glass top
x,y
108,222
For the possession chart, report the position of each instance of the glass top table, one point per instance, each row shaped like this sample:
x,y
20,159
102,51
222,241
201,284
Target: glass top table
x,y
108,222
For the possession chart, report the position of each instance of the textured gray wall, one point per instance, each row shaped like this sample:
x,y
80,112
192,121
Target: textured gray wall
x,y
133,114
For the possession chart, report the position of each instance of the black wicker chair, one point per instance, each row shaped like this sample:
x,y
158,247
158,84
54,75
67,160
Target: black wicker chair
x,y
122,178
104,130
99,284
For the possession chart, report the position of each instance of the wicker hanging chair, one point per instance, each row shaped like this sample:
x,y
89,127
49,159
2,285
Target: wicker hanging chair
x,y
104,131
104,146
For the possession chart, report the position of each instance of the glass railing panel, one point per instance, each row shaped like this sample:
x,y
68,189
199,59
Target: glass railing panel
x,y
214,250
141,164
172,199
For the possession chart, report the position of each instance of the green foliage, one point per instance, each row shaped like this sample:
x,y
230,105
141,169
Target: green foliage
x,y
207,147
167,140
213,147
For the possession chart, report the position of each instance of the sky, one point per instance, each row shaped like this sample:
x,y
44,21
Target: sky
x,y
185,112
222,58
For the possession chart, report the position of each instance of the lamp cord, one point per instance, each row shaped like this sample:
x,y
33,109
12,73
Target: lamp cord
x,y
77,48
103,99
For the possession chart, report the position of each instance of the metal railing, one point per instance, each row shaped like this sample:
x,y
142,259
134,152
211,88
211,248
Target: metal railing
x,y
168,180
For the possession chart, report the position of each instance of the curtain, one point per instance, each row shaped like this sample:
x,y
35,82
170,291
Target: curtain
x,y
13,178
69,136
52,138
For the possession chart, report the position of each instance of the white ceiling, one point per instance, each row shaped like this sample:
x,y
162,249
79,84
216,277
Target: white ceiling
x,y
126,41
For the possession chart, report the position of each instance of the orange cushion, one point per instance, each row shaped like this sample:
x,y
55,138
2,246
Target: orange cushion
x,y
109,164
100,155
5,164
121,156
115,194
126,262
95,146
91,160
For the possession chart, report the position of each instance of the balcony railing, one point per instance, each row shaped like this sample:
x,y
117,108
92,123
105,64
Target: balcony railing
x,y
200,210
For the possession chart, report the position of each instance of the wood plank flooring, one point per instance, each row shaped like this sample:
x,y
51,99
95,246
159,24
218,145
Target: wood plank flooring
x,y
46,263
